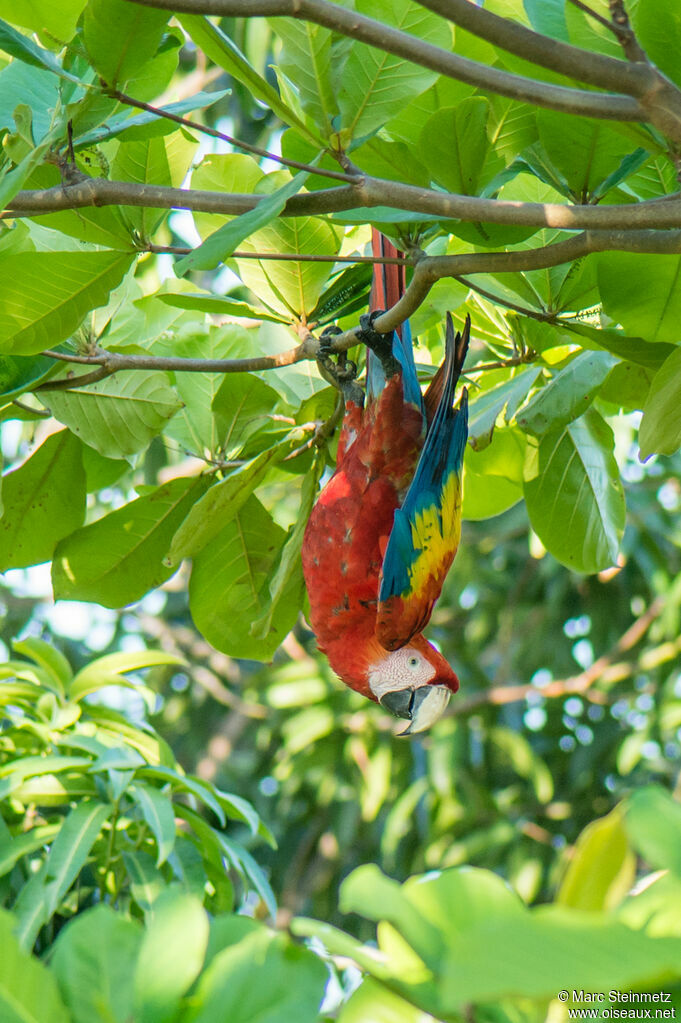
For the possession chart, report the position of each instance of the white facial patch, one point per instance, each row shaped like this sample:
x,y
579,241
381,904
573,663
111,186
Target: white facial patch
x,y
405,668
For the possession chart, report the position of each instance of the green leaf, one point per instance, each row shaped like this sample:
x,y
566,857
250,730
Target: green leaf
x,y
574,496
117,559
70,850
118,415
242,405
121,38
88,680
488,405
45,295
584,151
658,278
493,477
13,848
160,160
376,85
602,867
182,783
660,429
171,956
48,657
288,576
157,810
25,50
19,374
263,977
43,500
222,50
225,591
568,395
204,302
215,509
376,1002
13,181
460,157
93,961
657,25
222,243
632,349
146,882
653,823
28,990
146,124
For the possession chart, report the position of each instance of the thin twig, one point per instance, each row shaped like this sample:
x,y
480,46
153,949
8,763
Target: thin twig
x,y
68,383
123,97
34,411
534,314
297,257
595,15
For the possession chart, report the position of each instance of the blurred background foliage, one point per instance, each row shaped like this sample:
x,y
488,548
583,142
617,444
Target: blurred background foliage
x,y
571,686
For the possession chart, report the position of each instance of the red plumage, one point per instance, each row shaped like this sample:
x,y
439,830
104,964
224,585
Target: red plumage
x,y
347,535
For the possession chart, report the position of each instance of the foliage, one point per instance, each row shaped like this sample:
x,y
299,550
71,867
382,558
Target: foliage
x,y
95,807
183,488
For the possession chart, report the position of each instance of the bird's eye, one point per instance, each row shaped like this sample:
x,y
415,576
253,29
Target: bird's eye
x,y
413,662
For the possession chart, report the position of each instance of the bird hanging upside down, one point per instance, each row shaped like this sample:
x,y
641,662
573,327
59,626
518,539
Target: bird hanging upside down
x,y
385,529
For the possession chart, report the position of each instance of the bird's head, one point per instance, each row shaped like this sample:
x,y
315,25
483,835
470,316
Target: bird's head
x,y
414,682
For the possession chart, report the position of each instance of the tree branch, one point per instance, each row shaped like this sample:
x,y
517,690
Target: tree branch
x,y
371,192
401,44
123,97
427,271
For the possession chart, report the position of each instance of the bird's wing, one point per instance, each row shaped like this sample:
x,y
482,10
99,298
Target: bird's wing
x,y
426,529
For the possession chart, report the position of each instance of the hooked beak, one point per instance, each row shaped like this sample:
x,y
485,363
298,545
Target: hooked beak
x,y
421,707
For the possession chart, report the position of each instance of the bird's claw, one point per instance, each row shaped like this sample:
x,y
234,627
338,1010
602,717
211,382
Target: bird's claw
x,y
343,372
380,344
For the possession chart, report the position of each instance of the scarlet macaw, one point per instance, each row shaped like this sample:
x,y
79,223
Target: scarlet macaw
x,y
386,526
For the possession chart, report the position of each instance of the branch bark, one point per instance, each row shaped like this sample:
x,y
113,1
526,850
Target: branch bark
x,y
401,44
659,214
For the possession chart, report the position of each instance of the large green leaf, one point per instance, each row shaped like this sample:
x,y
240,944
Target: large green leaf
x,y
573,494
223,500
492,480
489,404
482,944
658,27
45,295
28,52
460,157
306,59
94,958
117,559
44,15
653,823
585,152
227,583
660,429
43,500
20,373
118,415
171,956
658,278
602,867
376,1002
121,38
375,85
259,977
568,394
28,990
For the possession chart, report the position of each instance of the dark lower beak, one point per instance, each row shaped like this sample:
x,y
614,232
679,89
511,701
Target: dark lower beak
x,y
421,707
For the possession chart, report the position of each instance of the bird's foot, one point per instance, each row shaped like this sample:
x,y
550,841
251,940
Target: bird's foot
x,y
343,372
380,344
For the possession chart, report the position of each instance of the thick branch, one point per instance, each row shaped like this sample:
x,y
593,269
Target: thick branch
x,y
656,213
391,40
582,65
